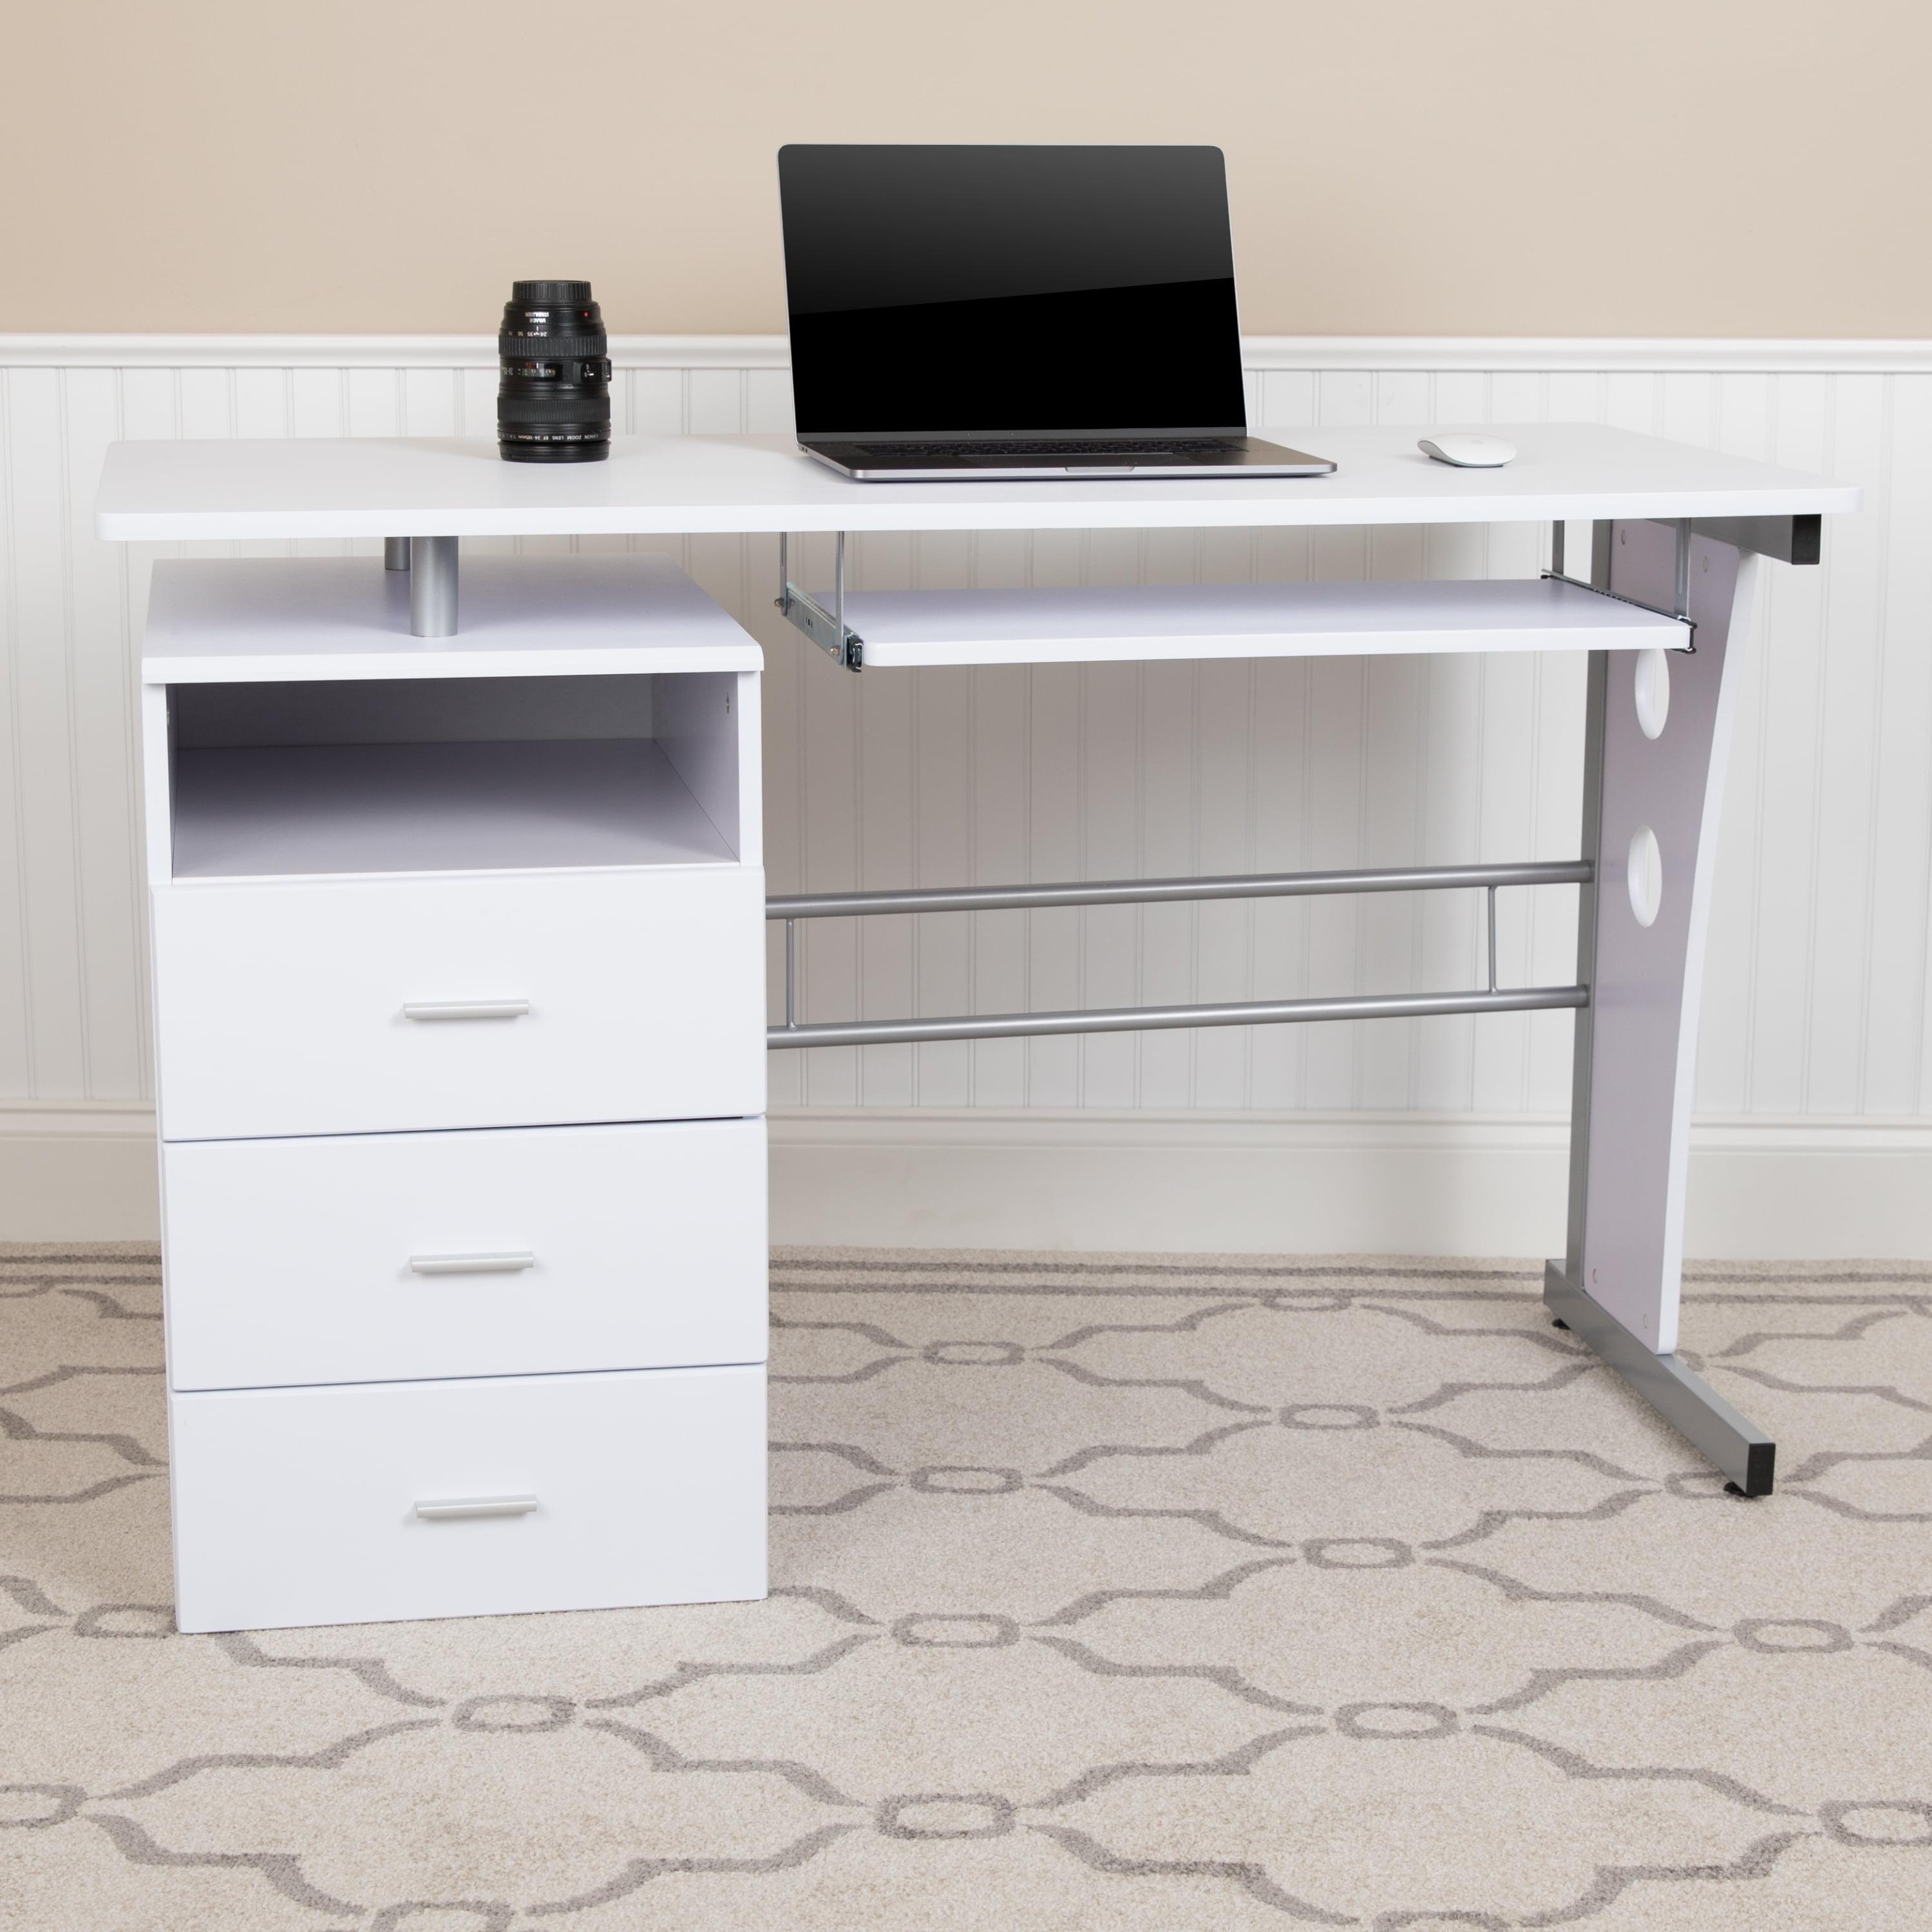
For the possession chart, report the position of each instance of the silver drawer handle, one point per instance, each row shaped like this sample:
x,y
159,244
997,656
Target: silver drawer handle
x,y
452,1508
465,1010
507,1263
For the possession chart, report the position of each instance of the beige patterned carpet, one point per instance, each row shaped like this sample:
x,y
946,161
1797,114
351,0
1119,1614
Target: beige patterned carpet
x,y
1109,1593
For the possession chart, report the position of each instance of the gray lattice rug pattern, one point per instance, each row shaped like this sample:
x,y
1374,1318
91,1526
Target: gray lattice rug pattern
x,y
1160,1594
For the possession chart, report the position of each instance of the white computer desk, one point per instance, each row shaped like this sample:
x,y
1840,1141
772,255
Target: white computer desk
x,y
1659,605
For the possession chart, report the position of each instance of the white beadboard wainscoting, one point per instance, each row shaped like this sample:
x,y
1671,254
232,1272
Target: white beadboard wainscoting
x,y
1814,1085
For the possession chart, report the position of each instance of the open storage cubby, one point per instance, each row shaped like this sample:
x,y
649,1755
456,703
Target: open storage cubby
x,y
595,712
379,775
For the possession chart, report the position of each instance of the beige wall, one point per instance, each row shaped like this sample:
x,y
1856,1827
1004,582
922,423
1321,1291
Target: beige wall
x,y
1652,167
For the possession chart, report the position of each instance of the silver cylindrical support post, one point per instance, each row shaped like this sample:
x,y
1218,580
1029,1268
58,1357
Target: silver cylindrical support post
x,y
395,553
433,586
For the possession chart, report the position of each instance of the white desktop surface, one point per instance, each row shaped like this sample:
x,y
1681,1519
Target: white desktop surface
x,y
371,487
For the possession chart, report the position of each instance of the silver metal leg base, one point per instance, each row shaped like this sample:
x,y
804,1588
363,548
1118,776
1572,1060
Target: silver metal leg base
x,y
1698,1414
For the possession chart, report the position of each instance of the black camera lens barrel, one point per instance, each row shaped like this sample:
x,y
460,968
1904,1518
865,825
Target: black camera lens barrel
x,y
554,385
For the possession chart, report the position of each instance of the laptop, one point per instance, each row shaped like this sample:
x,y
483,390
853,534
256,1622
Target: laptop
x,y
1017,313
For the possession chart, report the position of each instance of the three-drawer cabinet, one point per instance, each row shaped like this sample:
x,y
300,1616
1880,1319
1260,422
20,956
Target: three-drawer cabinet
x,y
458,954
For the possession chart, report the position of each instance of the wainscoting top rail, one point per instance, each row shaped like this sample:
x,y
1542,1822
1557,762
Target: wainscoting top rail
x,y
1319,353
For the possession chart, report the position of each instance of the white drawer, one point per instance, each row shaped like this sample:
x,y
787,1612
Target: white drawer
x,y
627,995
303,1506
394,1257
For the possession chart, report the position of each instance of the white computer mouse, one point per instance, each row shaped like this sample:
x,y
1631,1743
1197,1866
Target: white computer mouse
x,y
1468,451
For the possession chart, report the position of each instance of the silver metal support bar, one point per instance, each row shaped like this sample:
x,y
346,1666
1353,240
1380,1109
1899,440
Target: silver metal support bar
x,y
791,972
395,553
1154,1019
1154,891
1687,1402
1596,706
433,586
1492,938
825,629
1559,531
1636,604
1680,604
838,590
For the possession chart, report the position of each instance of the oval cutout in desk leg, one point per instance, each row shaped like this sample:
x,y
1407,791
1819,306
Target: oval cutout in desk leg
x,y
1646,875
1653,692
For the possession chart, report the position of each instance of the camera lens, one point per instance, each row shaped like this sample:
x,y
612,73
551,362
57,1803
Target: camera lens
x,y
553,395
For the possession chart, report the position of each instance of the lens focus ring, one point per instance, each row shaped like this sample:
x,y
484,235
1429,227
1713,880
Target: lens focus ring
x,y
548,348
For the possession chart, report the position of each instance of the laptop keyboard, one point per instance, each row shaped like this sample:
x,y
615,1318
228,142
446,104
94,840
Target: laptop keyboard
x,y
1180,447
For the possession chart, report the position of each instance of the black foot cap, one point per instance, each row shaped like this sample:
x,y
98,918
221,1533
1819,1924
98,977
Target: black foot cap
x,y
1557,1322
1731,1489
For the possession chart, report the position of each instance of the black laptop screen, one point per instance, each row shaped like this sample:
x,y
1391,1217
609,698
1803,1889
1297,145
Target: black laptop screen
x,y
943,291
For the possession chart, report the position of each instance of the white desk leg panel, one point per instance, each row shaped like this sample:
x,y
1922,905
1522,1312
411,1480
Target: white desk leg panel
x,y
1656,771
